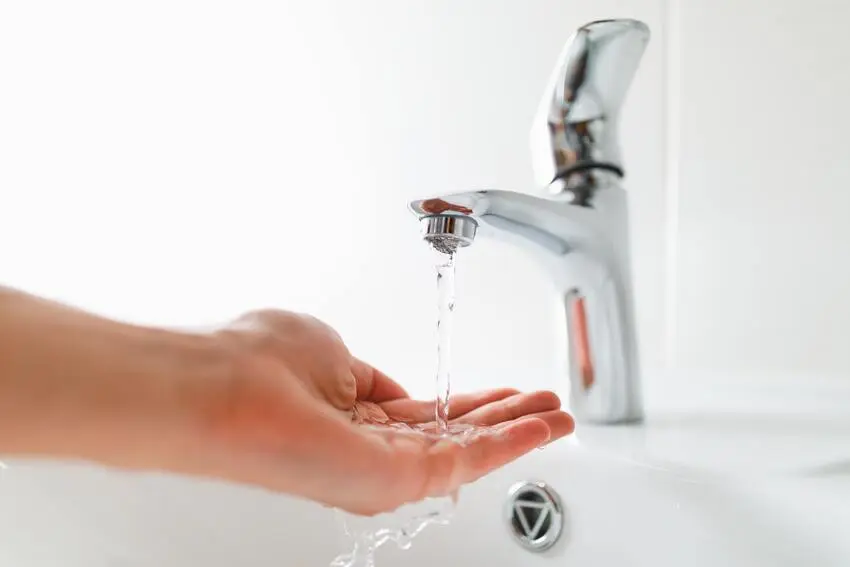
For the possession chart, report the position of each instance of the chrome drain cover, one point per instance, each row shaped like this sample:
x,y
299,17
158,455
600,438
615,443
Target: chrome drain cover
x,y
534,515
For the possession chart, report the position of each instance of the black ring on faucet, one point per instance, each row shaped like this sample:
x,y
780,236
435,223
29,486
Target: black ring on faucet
x,y
584,166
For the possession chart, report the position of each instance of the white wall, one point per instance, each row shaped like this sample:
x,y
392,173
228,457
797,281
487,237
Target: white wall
x,y
762,277
179,162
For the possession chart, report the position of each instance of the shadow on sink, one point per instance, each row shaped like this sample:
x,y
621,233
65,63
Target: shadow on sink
x,y
739,444
834,469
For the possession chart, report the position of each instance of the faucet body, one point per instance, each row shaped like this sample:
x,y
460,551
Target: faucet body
x,y
576,222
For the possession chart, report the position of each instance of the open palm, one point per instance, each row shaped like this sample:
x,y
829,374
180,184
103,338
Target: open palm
x,y
415,466
300,414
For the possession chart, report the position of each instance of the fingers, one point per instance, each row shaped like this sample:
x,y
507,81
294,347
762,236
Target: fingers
x,y
560,423
450,465
395,466
464,403
419,411
512,408
373,385
494,451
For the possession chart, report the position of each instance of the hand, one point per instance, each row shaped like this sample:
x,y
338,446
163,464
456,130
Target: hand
x,y
281,418
267,401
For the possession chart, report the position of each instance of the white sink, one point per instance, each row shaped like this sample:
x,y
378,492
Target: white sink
x,y
688,488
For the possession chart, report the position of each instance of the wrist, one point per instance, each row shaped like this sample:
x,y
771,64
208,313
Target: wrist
x,y
153,401
73,385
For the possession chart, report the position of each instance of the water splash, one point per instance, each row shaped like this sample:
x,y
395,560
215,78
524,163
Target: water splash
x,y
401,526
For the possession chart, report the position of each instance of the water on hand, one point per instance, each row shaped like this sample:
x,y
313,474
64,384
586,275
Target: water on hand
x,y
402,525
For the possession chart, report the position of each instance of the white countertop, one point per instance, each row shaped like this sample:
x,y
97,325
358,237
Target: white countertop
x,y
743,427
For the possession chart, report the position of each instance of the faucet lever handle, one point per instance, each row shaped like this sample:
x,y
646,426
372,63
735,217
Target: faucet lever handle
x,y
575,128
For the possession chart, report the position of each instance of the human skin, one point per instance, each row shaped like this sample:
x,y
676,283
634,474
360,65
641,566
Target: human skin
x,y
266,400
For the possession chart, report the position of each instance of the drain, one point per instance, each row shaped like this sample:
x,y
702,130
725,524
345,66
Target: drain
x,y
534,515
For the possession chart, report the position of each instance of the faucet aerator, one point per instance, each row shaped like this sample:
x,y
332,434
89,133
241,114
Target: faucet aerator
x,y
447,233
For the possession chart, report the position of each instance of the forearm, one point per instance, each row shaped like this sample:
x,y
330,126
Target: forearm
x,y
76,385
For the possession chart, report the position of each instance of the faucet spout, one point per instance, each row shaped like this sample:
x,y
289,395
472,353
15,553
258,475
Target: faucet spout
x,y
576,224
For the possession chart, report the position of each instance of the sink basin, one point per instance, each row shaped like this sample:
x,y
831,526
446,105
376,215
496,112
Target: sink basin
x,y
688,488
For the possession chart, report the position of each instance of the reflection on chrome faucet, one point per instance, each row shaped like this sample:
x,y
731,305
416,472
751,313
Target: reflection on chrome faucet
x,y
576,224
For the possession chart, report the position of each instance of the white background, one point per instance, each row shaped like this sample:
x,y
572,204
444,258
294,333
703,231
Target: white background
x,y
177,162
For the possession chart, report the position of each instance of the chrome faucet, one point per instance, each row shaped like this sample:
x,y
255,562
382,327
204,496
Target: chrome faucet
x,y
576,221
